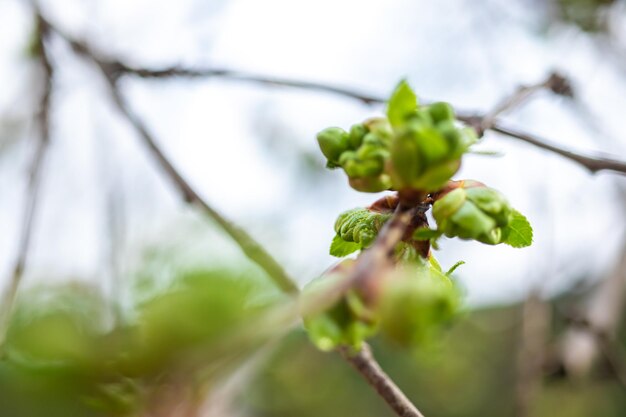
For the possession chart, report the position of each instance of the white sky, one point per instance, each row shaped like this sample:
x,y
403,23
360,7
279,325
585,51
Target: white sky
x,y
225,136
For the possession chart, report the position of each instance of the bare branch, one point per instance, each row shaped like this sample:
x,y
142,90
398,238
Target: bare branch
x,y
234,75
555,82
34,180
365,363
593,164
252,249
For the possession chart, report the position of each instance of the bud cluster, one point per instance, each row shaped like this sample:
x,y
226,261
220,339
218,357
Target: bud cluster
x,y
360,225
472,210
427,148
362,153
413,148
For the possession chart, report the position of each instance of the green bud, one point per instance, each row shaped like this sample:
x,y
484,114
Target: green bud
x,y
492,238
491,202
472,221
373,139
422,116
347,227
405,156
357,168
370,151
380,126
371,184
415,308
438,175
343,217
333,141
357,132
434,147
360,225
343,321
347,156
441,112
453,136
449,204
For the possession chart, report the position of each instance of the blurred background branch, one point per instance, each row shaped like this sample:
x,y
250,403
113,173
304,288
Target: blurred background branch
x,y
35,174
555,82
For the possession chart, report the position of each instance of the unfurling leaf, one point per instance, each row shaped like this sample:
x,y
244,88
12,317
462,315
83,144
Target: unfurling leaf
x,y
518,233
341,248
402,102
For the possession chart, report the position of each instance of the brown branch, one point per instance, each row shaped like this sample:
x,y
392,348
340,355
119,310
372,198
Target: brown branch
x,y
592,163
555,82
34,180
558,85
365,363
253,250
235,75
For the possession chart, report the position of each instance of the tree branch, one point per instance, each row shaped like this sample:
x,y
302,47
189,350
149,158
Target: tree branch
x,y
250,247
365,363
593,164
34,180
555,82
234,75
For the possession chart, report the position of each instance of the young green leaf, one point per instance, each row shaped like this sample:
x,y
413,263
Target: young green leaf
x,y
518,233
402,102
341,248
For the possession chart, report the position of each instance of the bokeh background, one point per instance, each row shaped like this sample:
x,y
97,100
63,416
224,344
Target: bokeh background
x,y
108,214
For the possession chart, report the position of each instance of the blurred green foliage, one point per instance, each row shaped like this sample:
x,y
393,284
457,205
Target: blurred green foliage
x,y
470,372
66,356
589,15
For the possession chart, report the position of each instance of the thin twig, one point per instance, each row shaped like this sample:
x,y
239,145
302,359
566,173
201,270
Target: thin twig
x,y
365,363
592,163
34,180
235,75
250,247
555,82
